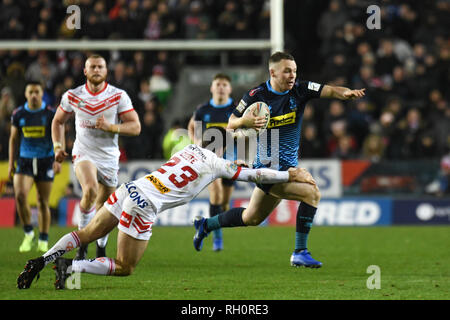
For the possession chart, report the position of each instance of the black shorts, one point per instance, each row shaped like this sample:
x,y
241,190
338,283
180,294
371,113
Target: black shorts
x,y
267,186
227,182
39,168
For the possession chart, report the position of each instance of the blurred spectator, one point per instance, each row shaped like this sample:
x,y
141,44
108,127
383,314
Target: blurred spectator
x,y
227,19
373,148
331,19
160,85
311,146
7,105
441,185
345,149
175,139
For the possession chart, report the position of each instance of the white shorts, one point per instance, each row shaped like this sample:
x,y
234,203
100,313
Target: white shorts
x,y
107,171
134,211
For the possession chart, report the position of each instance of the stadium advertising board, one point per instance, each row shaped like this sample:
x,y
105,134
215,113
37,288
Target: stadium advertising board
x,y
426,212
327,174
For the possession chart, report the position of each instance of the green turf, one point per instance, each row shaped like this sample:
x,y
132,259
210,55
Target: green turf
x,y
414,264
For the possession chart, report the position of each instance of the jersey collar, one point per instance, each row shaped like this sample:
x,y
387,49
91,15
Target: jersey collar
x,y
37,110
273,91
96,93
226,104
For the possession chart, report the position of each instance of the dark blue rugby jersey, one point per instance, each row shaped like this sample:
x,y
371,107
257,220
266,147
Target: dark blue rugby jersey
x,y
286,113
35,130
213,115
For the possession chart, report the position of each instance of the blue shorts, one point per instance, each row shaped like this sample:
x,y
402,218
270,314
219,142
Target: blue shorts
x,y
39,168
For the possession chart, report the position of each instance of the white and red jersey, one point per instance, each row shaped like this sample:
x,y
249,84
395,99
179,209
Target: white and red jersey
x,y
189,171
88,106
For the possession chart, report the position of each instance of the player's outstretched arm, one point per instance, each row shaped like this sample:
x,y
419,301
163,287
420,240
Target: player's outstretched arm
x,y
265,175
342,93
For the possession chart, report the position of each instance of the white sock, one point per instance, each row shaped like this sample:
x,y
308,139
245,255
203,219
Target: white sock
x,y
67,243
85,217
103,241
101,266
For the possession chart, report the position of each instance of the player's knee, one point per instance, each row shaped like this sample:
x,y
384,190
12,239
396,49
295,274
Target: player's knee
x,y
315,196
41,203
21,198
251,220
123,269
90,193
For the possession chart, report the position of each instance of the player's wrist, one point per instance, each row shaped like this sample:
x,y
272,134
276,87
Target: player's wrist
x,y
57,146
114,128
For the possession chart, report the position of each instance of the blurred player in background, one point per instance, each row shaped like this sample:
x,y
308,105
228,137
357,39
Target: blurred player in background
x,y
135,205
286,99
31,129
102,112
215,113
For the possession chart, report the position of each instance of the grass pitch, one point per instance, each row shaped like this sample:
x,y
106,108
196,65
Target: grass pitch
x,y
414,264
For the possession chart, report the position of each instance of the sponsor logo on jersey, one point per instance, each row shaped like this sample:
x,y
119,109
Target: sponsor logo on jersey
x,y
241,107
33,131
157,184
313,86
217,124
253,91
282,120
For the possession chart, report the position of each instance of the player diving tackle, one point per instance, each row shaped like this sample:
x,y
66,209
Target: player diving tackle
x,y
134,206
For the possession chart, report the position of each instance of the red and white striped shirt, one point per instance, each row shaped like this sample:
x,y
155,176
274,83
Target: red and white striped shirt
x,y
88,106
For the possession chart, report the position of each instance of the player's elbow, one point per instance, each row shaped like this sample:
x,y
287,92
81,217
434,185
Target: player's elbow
x,y
137,130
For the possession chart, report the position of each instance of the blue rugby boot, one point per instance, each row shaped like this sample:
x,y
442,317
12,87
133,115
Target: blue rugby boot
x,y
200,234
304,259
218,244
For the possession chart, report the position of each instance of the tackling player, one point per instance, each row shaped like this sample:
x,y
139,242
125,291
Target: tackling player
x,y
135,205
30,128
215,113
102,112
286,99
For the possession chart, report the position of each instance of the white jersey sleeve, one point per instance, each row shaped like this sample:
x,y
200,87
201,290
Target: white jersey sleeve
x,y
125,104
65,103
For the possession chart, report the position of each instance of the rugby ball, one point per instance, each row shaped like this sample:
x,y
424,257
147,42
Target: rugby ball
x,y
259,109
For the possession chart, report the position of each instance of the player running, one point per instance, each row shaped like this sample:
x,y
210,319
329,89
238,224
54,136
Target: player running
x,y
135,205
102,112
214,113
286,99
30,128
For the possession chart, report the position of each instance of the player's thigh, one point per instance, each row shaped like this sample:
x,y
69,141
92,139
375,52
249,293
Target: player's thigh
x,y
129,250
43,189
103,193
102,223
22,185
305,192
260,206
215,192
86,173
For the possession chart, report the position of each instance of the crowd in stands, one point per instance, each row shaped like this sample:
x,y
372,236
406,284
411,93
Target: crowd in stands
x,y
404,66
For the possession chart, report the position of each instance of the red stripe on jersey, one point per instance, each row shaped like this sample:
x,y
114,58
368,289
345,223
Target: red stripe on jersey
x,y
236,175
126,111
77,99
